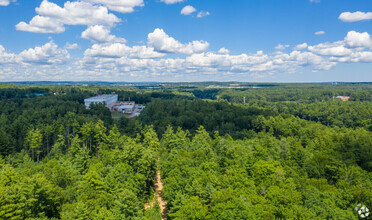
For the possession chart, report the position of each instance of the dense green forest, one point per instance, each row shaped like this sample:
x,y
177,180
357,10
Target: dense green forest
x,y
288,152
290,172
311,102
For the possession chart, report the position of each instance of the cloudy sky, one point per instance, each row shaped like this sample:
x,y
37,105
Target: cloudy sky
x,y
186,40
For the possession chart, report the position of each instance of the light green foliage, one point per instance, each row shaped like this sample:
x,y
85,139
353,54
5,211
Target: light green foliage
x,y
34,139
78,210
100,136
153,213
28,197
87,131
75,146
267,173
48,132
191,208
114,137
150,138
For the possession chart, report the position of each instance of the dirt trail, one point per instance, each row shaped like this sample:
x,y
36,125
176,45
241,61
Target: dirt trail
x,y
158,189
158,185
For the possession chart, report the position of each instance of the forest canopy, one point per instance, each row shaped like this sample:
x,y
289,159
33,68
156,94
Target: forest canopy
x,y
288,152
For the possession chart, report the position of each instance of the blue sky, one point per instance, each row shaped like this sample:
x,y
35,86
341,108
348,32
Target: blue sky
x,y
186,40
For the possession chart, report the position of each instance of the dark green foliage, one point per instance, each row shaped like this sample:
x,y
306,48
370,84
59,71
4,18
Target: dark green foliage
x,y
206,94
314,102
289,153
52,115
214,116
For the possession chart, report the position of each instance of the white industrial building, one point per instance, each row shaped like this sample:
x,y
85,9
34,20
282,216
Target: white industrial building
x,y
109,100
124,107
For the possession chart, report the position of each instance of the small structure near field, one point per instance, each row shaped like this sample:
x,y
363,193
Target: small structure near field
x,y
111,102
126,107
108,100
343,98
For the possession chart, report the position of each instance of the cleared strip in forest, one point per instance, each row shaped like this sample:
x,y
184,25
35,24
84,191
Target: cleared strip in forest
x,y
158,190
158,185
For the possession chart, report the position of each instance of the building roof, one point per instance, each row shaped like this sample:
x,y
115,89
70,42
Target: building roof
x,y
100,97
125,106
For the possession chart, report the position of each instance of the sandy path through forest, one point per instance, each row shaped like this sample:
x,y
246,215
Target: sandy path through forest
x,y
158,190
158,185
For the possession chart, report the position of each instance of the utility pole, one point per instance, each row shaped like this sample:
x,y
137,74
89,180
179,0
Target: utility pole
x,y
244,100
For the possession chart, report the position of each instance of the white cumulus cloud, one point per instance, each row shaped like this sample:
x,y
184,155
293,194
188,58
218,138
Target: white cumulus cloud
x,y
47,54
187,10
100,33
355,57
319,32
356,39
300,46
331,49
51,18
354,48
77,13
162,42
205,64
73,46
117,50
355,16
6,2
6,57
203,14
117,61
318,57
168,2
281,47
223,51
40,24
123,6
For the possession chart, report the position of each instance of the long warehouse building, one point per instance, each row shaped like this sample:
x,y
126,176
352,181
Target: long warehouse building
x,y
109,100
